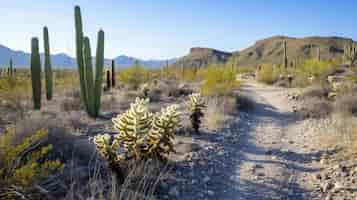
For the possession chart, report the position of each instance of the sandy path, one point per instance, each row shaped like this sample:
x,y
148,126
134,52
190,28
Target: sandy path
x,y
275,159
263,154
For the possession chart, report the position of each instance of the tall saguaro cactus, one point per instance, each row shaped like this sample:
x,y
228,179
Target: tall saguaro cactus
x,y
91,89
48,67
113,73
285,59
10,70
35,74
350,53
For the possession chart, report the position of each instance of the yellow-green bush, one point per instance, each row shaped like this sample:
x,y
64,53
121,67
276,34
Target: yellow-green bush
x,y
134,76
269,74
318,69
23,163
218,80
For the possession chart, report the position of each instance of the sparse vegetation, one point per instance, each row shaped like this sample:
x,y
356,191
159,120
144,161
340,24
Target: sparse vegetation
x,y
23,163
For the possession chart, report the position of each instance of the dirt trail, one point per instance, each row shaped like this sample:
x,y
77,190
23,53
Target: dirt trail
x,y
275,159
264,153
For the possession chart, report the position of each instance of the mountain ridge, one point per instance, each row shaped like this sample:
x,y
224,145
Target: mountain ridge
x,y
21,59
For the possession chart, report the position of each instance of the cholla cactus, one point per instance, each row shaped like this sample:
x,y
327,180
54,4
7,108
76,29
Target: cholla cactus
x,y
140,134
196,105
133,126
162,134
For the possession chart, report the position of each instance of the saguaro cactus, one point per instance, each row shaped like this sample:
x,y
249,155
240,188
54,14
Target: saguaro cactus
x,y
285,58
113,73
35,74
48,67
350,53
10,70
318,54
108,79
91,89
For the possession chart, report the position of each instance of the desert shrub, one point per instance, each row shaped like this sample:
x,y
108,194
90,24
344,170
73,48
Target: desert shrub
x,y
14,94
319,69
244,102
134,76
196,105
244,69
316,91
215,115
218,81
23,163
315,108
346,104
72,101
268,74
141,134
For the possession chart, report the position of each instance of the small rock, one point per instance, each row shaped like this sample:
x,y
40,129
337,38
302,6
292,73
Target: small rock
x,y
327,186
206,179
174,191
210,192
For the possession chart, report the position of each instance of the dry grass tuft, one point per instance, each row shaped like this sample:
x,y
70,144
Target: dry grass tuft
x,y
141,180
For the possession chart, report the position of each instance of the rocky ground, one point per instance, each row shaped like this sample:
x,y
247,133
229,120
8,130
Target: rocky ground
x,y
266,153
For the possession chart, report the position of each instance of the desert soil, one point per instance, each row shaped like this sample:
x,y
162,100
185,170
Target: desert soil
x,y
264,153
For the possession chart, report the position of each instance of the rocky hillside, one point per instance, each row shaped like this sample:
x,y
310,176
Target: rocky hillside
x,y
199,57
270,50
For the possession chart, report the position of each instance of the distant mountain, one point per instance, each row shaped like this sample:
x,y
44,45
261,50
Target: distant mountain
x,y
22,59
199,57
270,50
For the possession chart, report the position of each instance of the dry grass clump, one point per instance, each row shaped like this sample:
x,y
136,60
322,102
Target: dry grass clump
x,y
72,101
315,108
316,91
346,105
141,181
218,111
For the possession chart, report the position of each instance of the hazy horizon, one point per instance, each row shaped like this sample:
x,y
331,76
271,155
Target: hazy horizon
x,y
167,29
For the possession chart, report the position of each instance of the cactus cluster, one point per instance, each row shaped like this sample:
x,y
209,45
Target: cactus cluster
x,y
196,104
36,70
350,53
91,87
8,71
141,134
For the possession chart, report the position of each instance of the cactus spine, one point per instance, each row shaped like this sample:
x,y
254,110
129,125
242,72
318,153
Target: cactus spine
x,y
48,67
113,73
90,89
285,55
36,74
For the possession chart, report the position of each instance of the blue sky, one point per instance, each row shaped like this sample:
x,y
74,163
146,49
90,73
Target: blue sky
x,y
168,28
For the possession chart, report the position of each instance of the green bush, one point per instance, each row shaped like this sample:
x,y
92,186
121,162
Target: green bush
x,y
218,80
269,74
134,76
